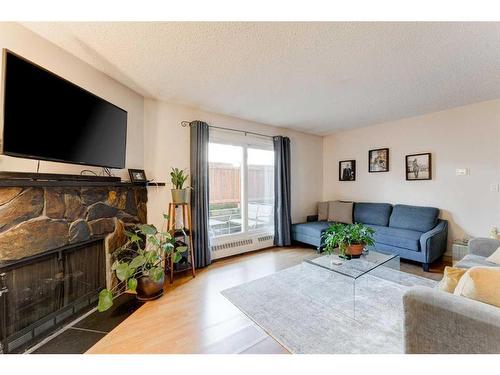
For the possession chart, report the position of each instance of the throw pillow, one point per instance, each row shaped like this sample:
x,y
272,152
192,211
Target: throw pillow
x,y
495,257
451,277
340,212
322,211
480,284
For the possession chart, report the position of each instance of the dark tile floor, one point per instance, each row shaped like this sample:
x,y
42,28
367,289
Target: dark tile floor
x,y
83,335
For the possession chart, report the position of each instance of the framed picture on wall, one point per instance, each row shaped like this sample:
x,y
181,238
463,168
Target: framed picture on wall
x,y
347,170
378,160
418,167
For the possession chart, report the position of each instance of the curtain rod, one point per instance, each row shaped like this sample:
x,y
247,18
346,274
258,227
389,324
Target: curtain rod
x,y
188,123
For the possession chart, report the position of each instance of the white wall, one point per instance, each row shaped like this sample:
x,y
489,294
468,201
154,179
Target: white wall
x,y
167,145
29,45
462,137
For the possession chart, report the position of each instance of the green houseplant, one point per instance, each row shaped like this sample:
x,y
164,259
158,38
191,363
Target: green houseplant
x,y
349,238
179,178
138,265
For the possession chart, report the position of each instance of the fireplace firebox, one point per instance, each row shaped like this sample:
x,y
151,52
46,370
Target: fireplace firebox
x,y
41,293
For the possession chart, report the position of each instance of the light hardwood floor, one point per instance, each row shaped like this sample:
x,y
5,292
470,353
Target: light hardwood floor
x,y
193,317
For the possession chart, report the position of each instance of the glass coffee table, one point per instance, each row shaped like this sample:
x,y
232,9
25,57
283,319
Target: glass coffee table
x,y
370,262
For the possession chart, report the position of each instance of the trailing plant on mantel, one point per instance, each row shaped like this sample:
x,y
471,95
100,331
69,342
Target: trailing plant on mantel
x,y
140,256
178,178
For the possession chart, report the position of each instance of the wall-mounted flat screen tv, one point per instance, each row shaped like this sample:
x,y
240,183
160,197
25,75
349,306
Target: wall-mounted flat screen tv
x,y
46,117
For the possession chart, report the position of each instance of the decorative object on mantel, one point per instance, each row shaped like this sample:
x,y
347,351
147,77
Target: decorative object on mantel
x,y
418,167
347,170
179,193
138,264
137,176
350,239
378,160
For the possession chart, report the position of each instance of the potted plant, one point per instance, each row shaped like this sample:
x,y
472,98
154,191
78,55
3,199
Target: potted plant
x,y
138,264
178,178
351,239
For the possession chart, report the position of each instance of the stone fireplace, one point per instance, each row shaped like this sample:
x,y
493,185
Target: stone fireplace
x,y
56,249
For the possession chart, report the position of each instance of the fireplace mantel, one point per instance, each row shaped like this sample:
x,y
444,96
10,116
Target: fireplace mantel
x,y
71,183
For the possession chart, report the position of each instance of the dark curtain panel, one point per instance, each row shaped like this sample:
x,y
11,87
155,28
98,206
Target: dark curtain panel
x,y
282,199
199,195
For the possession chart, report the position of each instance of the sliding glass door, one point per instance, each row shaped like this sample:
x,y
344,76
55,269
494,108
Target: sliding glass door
x,y
225,200
241,187
260,189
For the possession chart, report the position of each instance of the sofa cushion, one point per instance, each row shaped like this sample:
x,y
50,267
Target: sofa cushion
x,y
495,257
451,277
480,284
421,219
311,229
340,212
372,213
322,211
472,260
404,238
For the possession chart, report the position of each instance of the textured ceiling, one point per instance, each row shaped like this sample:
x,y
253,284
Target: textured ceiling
x,y
314,77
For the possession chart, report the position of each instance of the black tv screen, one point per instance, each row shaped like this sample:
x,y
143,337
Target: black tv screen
x,y
49,118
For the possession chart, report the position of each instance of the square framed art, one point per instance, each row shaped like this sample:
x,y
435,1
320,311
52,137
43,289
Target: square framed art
x,y
378,160
418,167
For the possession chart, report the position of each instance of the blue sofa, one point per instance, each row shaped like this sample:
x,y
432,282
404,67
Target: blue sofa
x,y
415,233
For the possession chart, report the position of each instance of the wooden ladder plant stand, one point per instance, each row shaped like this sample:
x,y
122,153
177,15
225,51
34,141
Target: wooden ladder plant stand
x,y
185,232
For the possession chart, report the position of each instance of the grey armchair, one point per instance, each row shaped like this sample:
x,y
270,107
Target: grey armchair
x,y
439,322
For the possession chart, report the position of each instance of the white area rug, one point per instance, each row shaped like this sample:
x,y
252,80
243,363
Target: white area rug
x,y
309,309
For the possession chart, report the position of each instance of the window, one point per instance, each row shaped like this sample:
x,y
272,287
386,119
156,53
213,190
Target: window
x,y
241,185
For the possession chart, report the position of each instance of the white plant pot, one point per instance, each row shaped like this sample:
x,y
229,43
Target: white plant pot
x,y
180,195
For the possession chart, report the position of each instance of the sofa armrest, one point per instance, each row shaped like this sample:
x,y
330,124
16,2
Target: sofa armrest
x,y
483,246
433,243
440,322
312,218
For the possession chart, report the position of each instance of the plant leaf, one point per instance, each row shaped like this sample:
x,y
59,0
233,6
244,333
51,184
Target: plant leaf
x,y
132,284
138,261
156,273
148,229
115,265
123,271
177,257
105,300
154,240
128,234
134,238
151,256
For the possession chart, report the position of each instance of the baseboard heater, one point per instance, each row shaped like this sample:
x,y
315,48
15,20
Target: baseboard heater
x,y
227,246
